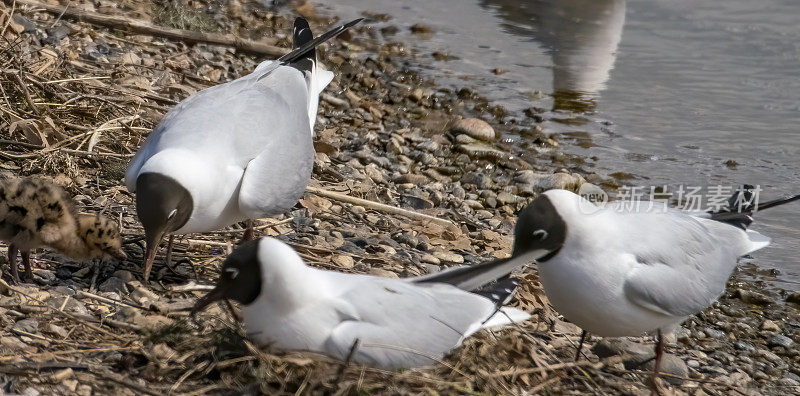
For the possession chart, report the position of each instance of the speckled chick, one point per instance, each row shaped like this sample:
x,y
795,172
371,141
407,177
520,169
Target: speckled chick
x,y
35,212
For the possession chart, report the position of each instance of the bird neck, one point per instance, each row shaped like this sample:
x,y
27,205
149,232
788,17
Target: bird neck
x,y
288,284
72,245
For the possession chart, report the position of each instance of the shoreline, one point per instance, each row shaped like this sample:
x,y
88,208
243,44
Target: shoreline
x,y
384,135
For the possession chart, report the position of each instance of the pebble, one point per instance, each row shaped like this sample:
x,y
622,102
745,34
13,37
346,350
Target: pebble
x,y
382,273
713,333
532,182
29,325
449,257
608,347
475,128
344,261
780,340
113,285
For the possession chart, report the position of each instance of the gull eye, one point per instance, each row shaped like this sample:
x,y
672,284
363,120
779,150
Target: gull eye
x,y
541,234
233,271
172,214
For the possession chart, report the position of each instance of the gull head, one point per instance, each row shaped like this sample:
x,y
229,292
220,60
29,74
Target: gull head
x,y
240,278
163,206
541,230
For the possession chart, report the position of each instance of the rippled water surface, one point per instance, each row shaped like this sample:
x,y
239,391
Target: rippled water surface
x,y
669,91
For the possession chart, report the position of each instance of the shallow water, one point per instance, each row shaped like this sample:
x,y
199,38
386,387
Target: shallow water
x,y
665,90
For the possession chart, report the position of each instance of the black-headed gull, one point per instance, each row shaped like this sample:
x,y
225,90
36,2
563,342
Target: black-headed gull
x,y
620,270
397,322
237,151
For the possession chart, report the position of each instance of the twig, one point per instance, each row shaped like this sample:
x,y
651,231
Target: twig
x,y
346,361
552,367
378,206
69,352
80,320
27,94
134,25
84,294
102,373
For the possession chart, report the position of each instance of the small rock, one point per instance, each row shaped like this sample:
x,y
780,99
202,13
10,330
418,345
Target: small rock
x,y
744,346
61,375
769,325
475,128
29,325
84,390
57,330
531,182
430,259
793,298
343,261
670,364
130,58
713,333
608,347
382,273
113,284
56,34
478,179
126,276
419,28
143,295
780,340
752,297
449,257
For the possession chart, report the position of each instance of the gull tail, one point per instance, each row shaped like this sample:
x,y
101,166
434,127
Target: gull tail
x,y
501,317
742,204
500,292
304,58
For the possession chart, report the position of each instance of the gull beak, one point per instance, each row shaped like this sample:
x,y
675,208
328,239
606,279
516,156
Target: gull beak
x,y
218,293
152,240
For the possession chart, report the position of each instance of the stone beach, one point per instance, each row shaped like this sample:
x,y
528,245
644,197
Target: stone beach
x,y
384,134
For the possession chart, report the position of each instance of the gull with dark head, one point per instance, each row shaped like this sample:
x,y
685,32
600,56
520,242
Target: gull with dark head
x,y
620,270
237,151
395,322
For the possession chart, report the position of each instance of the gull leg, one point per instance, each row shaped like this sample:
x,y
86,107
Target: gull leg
x,y
26,262
249,232
657,365
96,272
580,345
12,262
168,256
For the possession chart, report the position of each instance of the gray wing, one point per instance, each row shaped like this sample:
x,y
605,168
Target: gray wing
x,y
400,324
235,120
680,263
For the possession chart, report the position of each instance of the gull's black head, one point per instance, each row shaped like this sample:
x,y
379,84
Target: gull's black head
x,y
240,278
163,206
540,230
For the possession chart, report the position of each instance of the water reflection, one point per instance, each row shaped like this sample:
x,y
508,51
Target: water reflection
x,y
581,37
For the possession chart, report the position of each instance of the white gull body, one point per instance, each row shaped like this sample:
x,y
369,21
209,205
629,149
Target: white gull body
x,y
242,149
624,272
399,323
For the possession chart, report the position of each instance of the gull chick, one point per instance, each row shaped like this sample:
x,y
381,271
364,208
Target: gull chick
x,y
621,271
396,322
237,151
36,213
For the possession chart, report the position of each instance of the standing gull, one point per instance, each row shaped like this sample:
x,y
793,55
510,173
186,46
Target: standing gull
x,y
237,151
617,271
395,322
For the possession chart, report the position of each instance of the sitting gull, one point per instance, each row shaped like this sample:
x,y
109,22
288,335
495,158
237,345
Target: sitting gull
x,y
387,323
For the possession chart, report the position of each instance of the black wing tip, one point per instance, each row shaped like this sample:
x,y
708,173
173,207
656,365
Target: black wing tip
x,y
500,292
